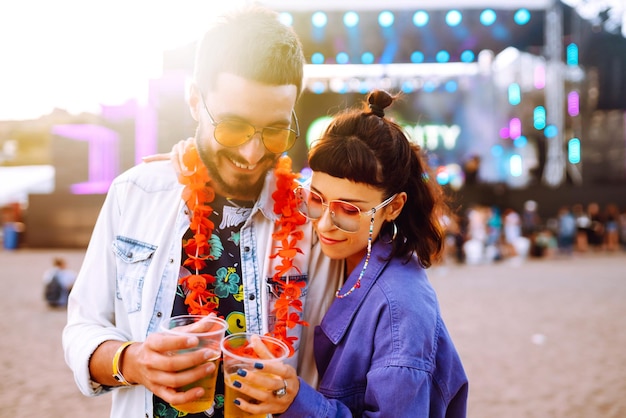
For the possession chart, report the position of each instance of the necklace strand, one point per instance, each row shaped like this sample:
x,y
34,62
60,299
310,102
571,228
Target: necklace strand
x,y
198,194
367,260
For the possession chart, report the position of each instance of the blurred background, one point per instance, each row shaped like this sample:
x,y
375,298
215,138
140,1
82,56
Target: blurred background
x,y
513,101
520,106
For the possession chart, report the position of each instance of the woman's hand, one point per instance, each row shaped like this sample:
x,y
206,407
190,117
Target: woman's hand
x,y
265,385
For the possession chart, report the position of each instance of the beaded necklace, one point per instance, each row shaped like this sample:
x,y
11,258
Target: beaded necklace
x,y
367,260
198,195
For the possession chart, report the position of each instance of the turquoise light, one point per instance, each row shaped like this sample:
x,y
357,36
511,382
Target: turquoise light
x,y
522,17
487,17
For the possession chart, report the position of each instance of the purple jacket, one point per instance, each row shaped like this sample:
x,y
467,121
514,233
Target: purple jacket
x,y
384,351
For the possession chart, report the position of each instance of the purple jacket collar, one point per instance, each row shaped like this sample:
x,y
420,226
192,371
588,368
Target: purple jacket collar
x,y
342,311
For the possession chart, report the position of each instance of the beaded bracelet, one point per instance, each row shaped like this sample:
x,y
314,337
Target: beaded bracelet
x,y
117,372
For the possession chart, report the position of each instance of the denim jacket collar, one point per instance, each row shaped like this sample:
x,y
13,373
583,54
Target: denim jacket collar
x,y
343,310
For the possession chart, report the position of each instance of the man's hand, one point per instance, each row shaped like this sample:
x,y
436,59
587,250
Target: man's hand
x,y
159,365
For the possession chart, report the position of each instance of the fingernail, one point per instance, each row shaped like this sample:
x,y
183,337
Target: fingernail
x,y
242,372
236,402
237,384
258,365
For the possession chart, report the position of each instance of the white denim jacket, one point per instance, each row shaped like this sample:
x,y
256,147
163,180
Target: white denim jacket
x,y
126,286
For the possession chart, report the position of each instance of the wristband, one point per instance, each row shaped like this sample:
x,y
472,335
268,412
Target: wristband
x,y
117,372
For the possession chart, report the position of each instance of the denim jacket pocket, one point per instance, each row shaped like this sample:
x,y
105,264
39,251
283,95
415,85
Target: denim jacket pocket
x,y
133,259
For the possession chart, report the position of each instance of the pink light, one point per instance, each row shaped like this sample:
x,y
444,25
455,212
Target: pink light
x,y
515,128
90,187
504,133
573,103
103,153
540,77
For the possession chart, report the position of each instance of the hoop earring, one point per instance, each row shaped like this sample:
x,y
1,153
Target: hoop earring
x,y
395,232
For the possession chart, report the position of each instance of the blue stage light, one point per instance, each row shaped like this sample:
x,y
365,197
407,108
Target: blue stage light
x,y
522,17
350,19
501,33
417,57
467,56
442,56
451,86
420,18
342,58
429,86
407,87
454,18
319,19
318,87
539,118
520,142
572,54
551,131
515,94
317,58
487,17
367,58
385,19
573,151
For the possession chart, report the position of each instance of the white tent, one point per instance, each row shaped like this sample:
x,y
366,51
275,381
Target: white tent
x,y
17,182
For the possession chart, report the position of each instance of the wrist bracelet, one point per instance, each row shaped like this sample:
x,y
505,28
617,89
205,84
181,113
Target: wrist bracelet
x,y
117,372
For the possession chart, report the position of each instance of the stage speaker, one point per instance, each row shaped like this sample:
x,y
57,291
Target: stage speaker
x,y
608,54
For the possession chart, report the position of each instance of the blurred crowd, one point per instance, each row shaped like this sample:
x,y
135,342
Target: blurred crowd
x,y
484,234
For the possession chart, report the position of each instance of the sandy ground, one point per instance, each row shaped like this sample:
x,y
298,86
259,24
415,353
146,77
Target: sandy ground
x,y
543,339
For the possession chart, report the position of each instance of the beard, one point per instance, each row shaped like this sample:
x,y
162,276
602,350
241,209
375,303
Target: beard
x,y
238,185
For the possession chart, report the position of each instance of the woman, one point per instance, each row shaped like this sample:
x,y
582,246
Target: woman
x,y
382,349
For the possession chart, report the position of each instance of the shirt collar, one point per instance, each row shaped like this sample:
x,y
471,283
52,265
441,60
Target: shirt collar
x,y
265,202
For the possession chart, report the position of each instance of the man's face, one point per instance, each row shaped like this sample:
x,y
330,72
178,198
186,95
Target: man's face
x,y
239,172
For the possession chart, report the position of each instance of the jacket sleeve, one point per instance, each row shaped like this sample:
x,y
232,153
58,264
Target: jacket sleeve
x,y
91,310
386,387
309,403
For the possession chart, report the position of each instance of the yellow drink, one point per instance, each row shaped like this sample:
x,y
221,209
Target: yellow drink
x,y
242,351
208,383
230,394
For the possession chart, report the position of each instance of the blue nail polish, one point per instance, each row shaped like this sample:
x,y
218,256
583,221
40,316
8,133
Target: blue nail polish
x,y
258,365
236,402
242,372
237,384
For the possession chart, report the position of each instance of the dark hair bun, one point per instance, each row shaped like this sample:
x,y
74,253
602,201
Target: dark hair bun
x,y
378,100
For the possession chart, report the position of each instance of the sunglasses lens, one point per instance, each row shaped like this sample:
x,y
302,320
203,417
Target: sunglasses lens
x,y
310,204
343,215
233,133
278,140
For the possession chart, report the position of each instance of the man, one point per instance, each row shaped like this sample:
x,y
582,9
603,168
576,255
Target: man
x,y
155,233
58,281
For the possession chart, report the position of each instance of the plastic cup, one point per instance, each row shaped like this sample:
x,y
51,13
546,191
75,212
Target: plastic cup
x,y
210,331
242,351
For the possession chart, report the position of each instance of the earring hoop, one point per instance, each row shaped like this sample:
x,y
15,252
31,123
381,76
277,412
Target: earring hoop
x,y
395,232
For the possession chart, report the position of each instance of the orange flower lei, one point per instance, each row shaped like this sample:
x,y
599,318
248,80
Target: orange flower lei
x,y
198,195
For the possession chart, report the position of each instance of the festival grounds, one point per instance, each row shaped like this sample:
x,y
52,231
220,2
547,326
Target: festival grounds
x,y
543,339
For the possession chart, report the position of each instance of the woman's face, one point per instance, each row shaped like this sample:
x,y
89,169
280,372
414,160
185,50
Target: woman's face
x,y
338,244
